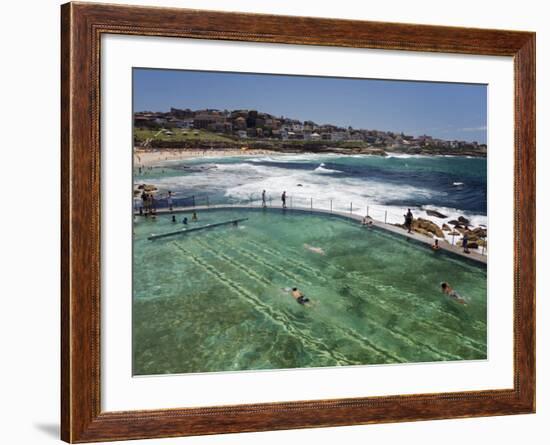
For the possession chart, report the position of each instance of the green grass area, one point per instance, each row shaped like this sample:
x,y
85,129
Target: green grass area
x,y
179,135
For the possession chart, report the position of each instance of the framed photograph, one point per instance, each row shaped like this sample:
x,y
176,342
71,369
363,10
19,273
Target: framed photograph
x,y
275,222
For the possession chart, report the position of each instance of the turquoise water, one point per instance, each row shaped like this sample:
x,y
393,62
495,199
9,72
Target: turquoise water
x,y
215,300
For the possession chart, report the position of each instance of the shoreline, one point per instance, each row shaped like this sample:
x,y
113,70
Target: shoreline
x,y
156,157
152,158
439,227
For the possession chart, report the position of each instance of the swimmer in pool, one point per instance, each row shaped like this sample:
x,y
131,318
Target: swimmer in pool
x,y
299,296
449,291
314,249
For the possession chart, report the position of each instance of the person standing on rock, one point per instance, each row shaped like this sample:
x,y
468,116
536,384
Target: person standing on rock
x,y
465,243
409,220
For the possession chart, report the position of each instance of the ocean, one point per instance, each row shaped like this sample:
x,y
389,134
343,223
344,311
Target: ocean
x,y
388,186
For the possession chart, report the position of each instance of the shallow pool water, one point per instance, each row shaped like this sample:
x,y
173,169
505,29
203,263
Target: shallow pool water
x,y
215,300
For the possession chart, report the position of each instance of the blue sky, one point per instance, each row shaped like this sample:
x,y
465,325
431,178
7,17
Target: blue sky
x,y
444,110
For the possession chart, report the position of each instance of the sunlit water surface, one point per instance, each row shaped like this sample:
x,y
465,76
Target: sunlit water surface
x,y
215,300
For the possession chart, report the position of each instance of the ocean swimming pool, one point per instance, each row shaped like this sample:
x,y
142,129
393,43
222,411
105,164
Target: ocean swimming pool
x,y
215,301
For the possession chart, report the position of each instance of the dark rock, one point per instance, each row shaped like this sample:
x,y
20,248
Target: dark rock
x,y
464,221
423,232
436,214
480,232
420,225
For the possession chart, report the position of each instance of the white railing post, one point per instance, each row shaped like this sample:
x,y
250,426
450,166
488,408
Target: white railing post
x,y
386,217
331,206
351,208
311,203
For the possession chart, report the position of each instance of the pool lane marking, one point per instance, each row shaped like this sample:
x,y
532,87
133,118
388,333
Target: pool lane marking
x,y
467,341
411,299
471,343
411,340
380,351
253,257
437,327
234,263
286,257
386,354
309,342
358,337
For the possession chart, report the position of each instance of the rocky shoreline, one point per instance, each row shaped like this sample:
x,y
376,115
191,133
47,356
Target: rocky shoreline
x,y
477,236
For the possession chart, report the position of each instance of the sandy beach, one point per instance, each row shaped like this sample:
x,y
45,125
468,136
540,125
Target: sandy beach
x,y
148,158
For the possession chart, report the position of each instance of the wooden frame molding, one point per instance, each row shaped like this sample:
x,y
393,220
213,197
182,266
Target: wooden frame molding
x,y
82,26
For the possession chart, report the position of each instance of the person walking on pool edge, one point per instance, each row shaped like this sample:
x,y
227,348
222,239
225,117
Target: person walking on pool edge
x,y
283,198
170,201
409,220
264,205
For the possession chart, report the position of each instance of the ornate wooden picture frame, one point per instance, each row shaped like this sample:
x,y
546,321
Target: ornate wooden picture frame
x,y
82,25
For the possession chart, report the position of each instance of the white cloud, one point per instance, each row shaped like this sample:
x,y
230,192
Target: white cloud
x,y
480,128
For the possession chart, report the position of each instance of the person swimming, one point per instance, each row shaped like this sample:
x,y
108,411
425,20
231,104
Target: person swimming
x,y
299,296
314,249
449,291
435,245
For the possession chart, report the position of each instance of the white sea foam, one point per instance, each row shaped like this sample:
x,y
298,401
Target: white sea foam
x,y
244,181
323,170
404,155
